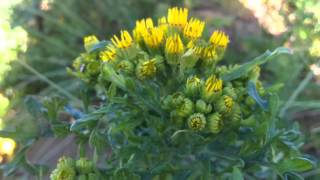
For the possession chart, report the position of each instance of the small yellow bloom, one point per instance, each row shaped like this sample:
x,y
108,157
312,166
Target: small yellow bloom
x,y
146,69
198,50
89,41
219,39
162,24
108,54
178,16
213,84
209,52
141,27
153,37
193,28
124,42
174,45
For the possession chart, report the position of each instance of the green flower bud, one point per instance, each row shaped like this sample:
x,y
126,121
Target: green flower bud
x,y
177,99
203,107
185,108
193,86
230,91
66,161
212,89
167,102
146,69
224,104
125,66
236,114
249,101
254,73
197,122
84,166
93,68
64,171
215,123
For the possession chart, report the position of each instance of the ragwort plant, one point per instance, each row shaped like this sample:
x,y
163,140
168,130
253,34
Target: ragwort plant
x,y
170,111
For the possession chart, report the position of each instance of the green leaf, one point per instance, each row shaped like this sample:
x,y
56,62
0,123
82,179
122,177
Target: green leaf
x,y
99,46
298,164
252,91
245,68
86,121
237,174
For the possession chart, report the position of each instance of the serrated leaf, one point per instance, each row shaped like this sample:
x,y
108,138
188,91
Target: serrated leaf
x,y
245,68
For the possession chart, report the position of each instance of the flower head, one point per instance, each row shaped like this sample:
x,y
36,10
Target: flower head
x,y
141,27
90,41
213,84
153,37
124,42
196,47
211,89
193,28
197,121
219,39
146,69
185,108
228,101
65,170
178,16
215,123
193,85
108,54
174,45
162,24
225,104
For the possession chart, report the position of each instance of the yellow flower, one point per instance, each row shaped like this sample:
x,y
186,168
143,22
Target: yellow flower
x,y
153,37
108,54
211,89
162,24
146,69
178,16
174,45
141,27
90,41
193,28
209,52
124,42
219,39
193,85
213,84
198,50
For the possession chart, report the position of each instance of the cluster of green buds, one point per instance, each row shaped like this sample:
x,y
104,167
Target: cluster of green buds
x,y
70,169
205,104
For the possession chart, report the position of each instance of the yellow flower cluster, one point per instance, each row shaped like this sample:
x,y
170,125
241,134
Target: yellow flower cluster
x,y
174,34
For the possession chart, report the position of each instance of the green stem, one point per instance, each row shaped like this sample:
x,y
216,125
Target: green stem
x,y
51,83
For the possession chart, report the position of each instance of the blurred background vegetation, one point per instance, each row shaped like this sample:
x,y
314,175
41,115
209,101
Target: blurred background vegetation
x,y
40,38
